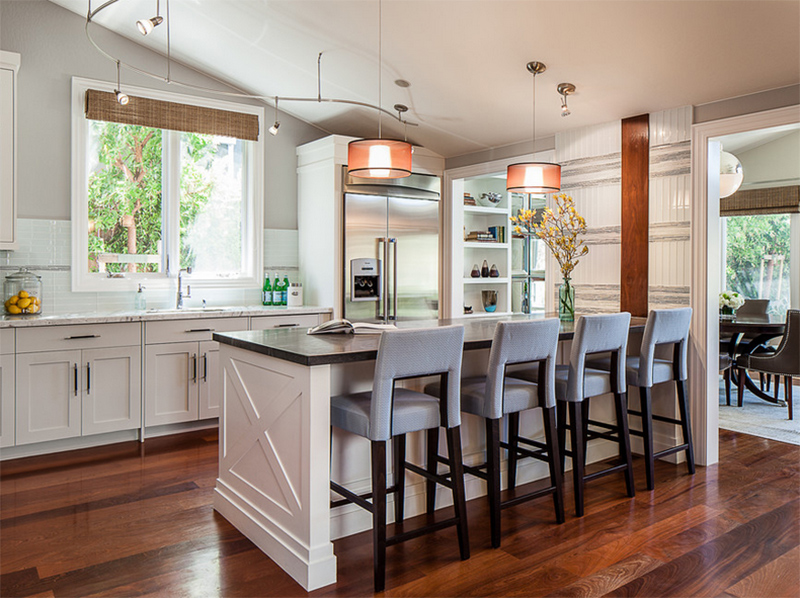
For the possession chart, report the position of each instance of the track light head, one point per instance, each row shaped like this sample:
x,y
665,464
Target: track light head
x,y
145,26
564,109
274,128
122,98
565,89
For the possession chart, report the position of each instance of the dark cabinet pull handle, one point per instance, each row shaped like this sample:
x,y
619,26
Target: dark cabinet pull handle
x,y
88,377
295,325
200,330
205,367
75,372
81,336
194,367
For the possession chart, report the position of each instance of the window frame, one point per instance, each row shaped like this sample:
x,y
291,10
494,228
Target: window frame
x,y
253,228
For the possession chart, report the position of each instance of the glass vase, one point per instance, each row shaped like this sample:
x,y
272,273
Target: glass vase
x,y
566,301
726,310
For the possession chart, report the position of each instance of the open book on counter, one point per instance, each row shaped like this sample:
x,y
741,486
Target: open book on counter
x,y
348,327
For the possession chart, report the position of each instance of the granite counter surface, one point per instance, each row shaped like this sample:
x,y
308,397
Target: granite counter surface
x,y
155,315
297,346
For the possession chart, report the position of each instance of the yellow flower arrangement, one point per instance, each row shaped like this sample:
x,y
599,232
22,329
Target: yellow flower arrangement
x,y
559,230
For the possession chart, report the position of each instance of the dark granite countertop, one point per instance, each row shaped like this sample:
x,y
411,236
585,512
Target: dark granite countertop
x,y
298,347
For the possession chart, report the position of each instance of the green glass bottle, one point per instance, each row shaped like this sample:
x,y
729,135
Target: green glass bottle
x,y
285,290
276,290
266,292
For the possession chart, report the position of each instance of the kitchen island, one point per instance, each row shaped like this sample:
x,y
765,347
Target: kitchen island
x,y
276,462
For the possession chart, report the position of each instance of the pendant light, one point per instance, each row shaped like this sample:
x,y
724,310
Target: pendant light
x,y
731,174
534,177
379,158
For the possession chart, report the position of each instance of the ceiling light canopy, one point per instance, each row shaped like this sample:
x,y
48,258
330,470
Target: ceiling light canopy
x,y
380,158
534,177
731,174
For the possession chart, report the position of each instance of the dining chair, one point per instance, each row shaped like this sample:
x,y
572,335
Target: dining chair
x,y
753,308
784,362
499,394
390,412
664,328
576,383
725,368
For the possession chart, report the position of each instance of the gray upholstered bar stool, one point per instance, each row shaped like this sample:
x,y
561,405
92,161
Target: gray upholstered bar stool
x,y
498,394
664,327
388,412
577,383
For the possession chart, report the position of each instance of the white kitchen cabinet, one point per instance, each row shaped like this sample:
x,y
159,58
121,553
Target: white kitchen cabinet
x,y
6,388
209,385
91,384
298,321
9,64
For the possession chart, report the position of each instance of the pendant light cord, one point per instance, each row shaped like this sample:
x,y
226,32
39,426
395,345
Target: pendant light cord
x,y
533,119
380,61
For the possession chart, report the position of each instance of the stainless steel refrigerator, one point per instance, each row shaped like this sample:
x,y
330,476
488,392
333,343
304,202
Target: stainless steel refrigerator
x,y
391,248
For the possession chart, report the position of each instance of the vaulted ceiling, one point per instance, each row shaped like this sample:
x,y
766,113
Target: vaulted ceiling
x,y
465,59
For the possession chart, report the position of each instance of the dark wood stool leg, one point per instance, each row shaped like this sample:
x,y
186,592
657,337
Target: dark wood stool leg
x,y
621,402
493,472
727,376
645,401
513,443
379,513
459,495
787,382
686,426
554,460
578,458
585,416
432,450
561,424
399,456
740,392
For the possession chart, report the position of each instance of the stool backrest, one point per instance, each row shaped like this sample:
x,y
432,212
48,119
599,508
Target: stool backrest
x,y
412,354
598,334
521,342
665,326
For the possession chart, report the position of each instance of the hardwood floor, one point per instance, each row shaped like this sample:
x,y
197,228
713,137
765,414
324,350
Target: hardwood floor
x,y
115,521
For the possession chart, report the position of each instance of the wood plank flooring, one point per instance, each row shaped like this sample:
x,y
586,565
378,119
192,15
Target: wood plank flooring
x,y
133,521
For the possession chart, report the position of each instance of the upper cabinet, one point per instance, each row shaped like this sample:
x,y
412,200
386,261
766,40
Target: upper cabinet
x,y
9,64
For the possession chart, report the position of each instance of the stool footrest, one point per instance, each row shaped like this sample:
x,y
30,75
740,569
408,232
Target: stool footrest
x,y
444,480
416,533
526,497
670,451
599,474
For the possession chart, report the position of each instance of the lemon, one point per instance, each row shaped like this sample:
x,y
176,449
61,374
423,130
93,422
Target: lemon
x,y
23,302
13,300
13,309
33,308
23,294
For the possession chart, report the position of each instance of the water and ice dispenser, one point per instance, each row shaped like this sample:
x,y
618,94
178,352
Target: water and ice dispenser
x,y
365,279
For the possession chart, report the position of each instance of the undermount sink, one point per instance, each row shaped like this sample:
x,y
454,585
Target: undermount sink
x,y
173,310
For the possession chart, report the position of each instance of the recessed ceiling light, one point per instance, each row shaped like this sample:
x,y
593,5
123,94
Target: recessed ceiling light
x,y
402,83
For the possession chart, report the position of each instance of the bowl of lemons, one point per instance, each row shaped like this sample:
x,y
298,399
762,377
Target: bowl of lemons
x,y
23,293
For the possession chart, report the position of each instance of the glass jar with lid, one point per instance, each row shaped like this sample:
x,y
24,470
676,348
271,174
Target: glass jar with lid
x,y
22,293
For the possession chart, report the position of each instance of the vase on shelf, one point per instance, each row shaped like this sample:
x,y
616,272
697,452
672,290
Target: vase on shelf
x,y
566,301
485,269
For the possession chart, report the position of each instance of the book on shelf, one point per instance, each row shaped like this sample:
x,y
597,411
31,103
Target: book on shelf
x,y
480,236
347,327
499,233
469,200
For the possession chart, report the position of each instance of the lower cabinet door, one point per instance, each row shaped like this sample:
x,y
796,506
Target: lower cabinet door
x,y
6,400
171,383
112,389
48,396
210,383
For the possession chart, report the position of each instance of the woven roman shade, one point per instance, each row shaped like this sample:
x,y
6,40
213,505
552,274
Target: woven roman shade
x,y
773,200
103,105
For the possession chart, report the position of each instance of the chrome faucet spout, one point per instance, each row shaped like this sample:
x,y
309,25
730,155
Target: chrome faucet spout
x,y
181,296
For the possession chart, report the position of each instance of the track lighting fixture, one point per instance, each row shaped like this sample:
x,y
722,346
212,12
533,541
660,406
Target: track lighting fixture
x,y
565,89
121,97
534,177
277,124
147,25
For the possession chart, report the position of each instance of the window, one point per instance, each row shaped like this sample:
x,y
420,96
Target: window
x,y
148,202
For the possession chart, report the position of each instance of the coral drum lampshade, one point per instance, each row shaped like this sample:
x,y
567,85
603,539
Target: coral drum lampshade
x,y
379,158
533,177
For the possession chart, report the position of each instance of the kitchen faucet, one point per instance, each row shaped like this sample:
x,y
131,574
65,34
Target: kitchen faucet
x,y
181,296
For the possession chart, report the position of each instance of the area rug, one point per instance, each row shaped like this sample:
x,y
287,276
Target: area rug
x,y
759,418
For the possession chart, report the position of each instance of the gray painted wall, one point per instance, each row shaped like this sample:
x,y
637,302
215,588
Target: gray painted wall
x,y
53,49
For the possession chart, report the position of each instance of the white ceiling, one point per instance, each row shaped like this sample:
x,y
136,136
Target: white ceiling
x,y
465,59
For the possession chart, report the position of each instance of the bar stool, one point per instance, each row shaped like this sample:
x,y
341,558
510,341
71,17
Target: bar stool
x,y
389,412
664,327
577,383
498,394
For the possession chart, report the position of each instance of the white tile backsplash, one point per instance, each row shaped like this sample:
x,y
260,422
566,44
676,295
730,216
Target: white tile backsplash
x,y
45,247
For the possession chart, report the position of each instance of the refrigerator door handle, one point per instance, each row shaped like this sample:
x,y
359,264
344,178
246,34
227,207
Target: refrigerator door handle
x,y
393,244
381,306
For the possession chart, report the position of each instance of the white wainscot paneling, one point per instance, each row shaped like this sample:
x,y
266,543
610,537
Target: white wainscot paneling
x,y
670,198
600,206
669,263
671,126
597,140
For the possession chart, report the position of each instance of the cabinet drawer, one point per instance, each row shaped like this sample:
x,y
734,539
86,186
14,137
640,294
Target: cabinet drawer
x,y
83,336
299,321
6,341
177,331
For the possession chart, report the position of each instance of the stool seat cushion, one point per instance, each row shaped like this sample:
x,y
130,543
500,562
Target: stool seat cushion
x,y
662,369
595,381
413,411
519,395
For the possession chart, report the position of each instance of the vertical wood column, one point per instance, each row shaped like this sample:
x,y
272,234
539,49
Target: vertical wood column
x,y
635,214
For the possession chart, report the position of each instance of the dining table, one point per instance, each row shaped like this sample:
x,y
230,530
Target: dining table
x,y
747,335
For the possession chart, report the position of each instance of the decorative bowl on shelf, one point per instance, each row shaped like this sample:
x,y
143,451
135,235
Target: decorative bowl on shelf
x,y
490,199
